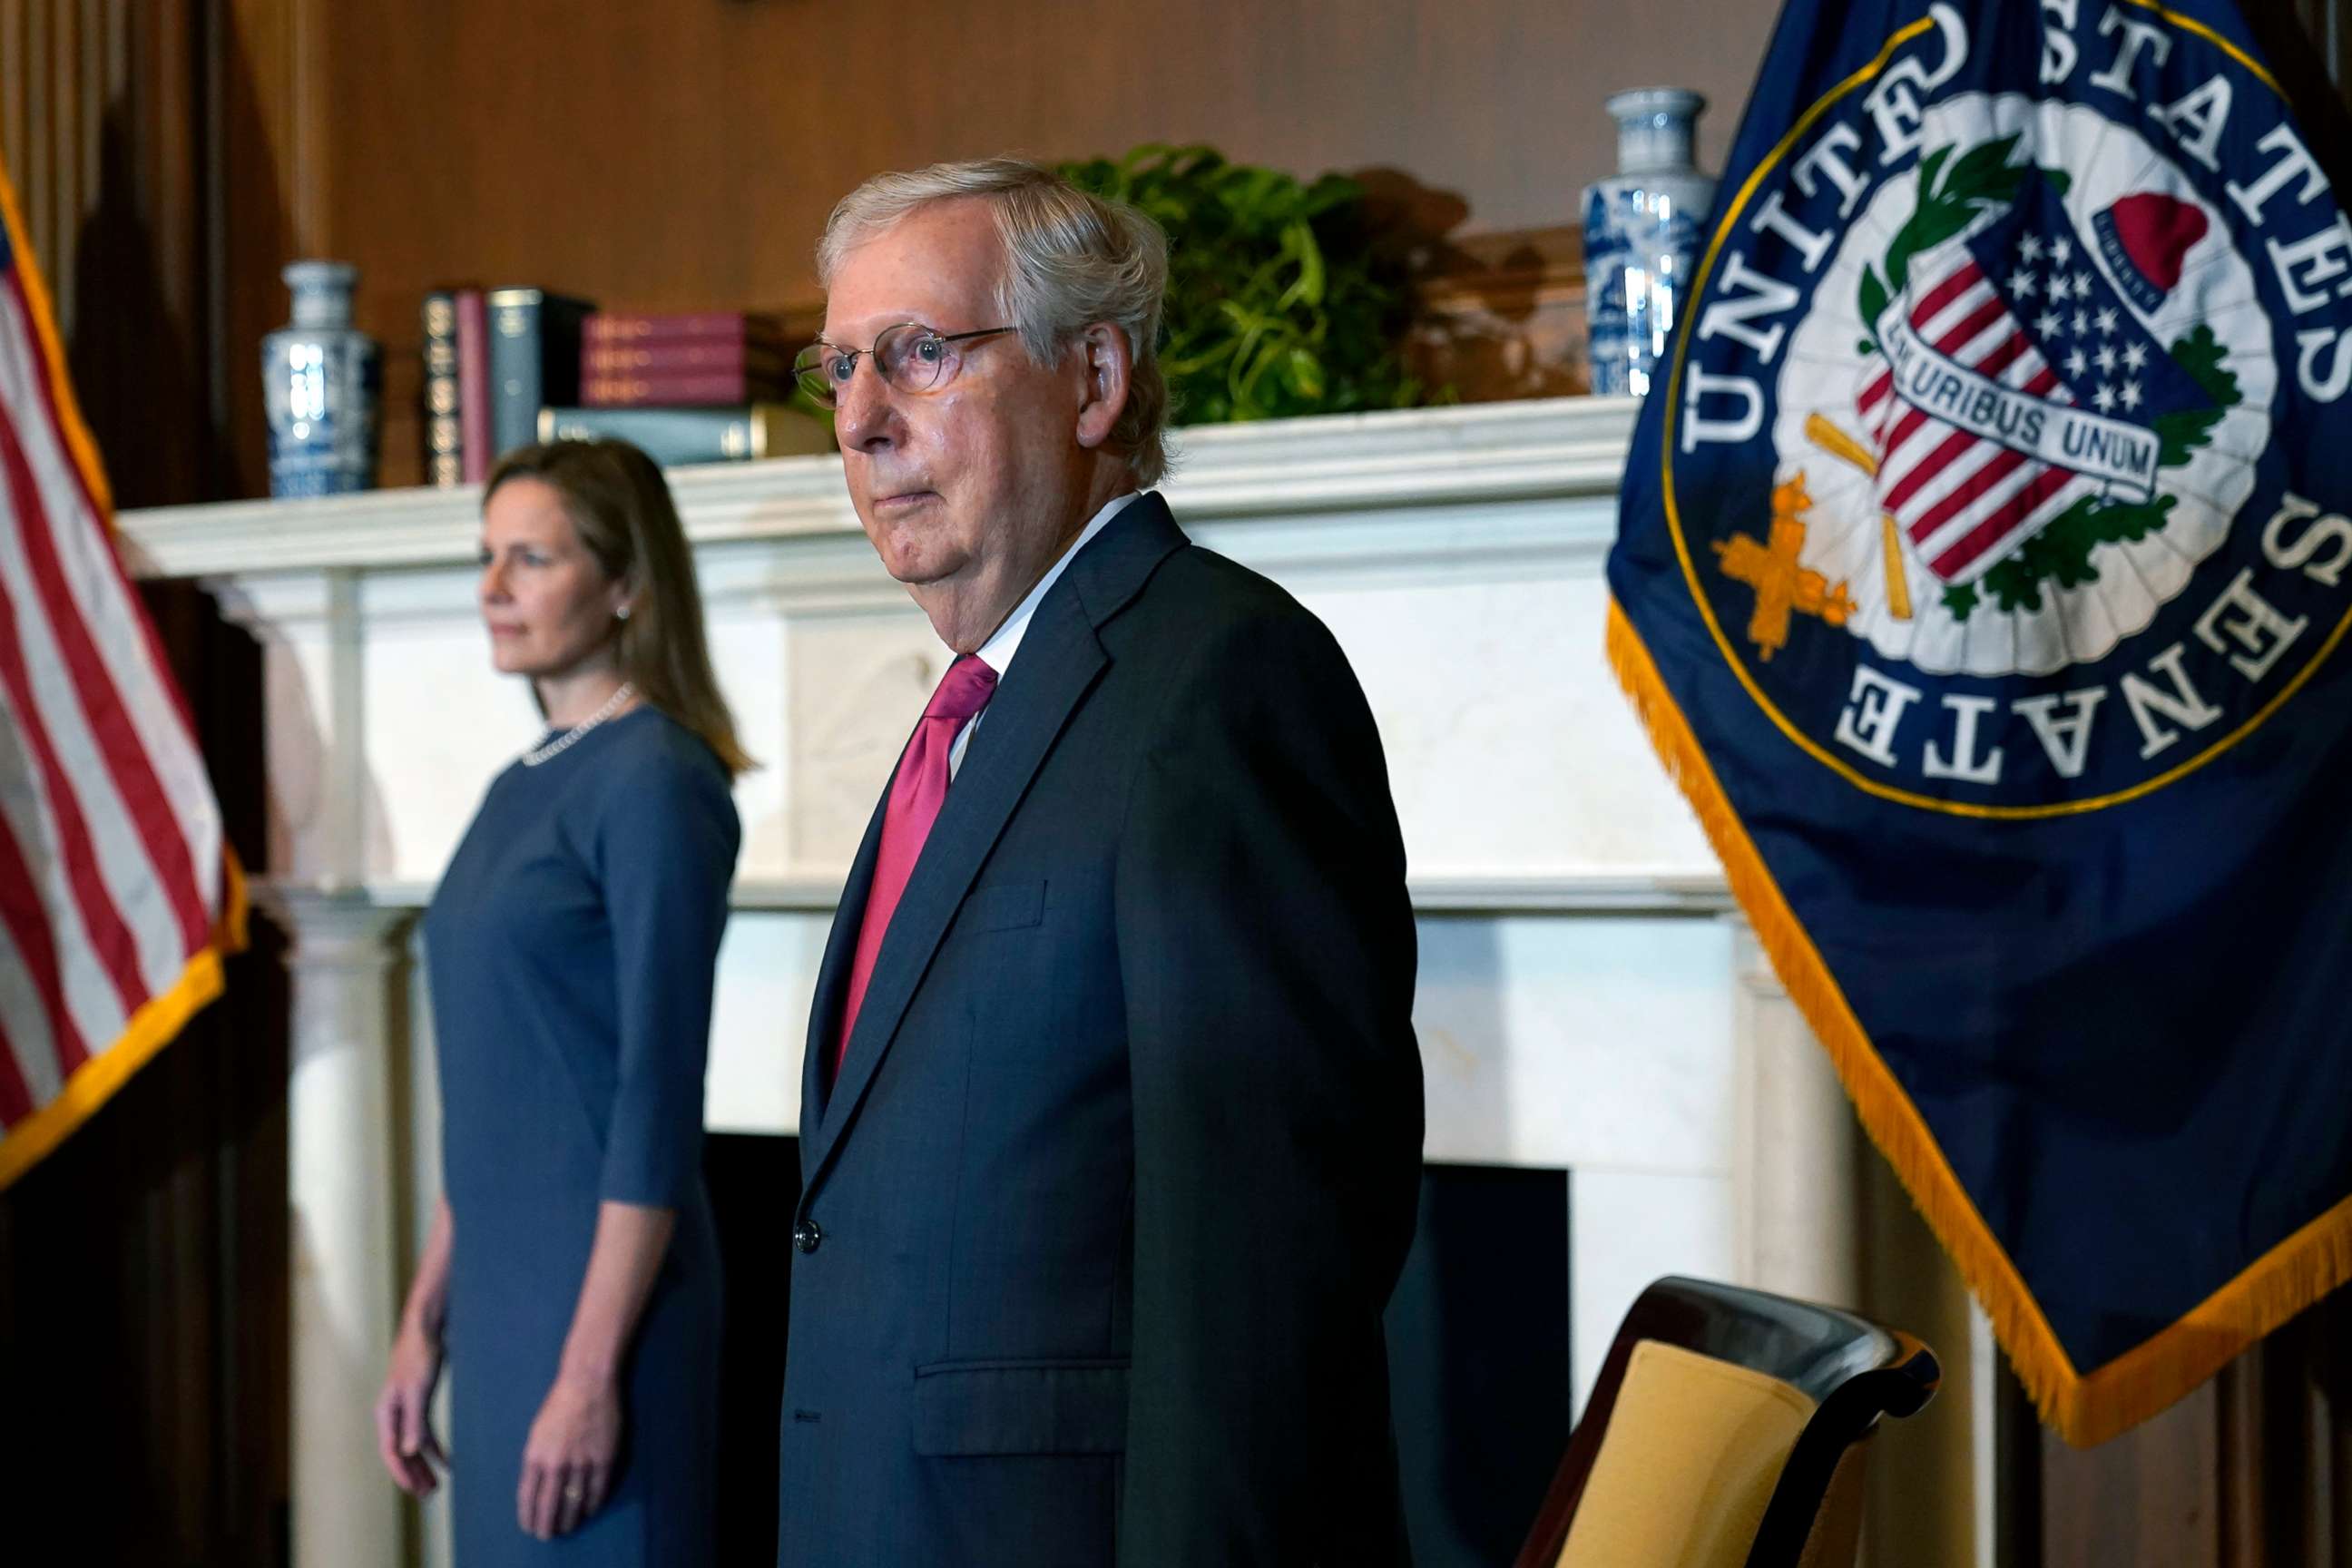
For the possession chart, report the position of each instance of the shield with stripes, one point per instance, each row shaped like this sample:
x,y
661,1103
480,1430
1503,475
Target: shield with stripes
x,y
2013,381
2027,387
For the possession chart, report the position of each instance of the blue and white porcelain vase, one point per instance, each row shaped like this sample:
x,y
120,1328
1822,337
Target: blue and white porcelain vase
x,y
321,381
1641,236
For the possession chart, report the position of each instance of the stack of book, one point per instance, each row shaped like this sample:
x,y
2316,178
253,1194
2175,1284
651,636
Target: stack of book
x,y
706,360
506,367
711,386
493,359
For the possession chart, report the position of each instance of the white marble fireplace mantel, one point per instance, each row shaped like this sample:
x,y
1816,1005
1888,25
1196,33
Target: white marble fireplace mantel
x,y
1586,1000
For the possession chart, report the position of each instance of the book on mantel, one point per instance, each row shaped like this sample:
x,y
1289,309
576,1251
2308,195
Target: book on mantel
x,y
709,359
678,356
458,445
443,425
534,360
677,437
658,387
617,329
473,384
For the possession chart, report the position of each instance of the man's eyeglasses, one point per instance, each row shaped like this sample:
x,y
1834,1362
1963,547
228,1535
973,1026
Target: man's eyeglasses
x,y
910,357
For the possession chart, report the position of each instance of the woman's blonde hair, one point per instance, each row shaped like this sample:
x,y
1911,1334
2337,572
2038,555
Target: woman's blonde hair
x,y
621,508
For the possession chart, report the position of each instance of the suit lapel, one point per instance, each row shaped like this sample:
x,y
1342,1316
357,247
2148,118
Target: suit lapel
x,y
832,973
1028,710
1059,661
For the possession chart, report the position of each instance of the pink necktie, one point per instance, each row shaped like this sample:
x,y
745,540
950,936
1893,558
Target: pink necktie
x,y
916,796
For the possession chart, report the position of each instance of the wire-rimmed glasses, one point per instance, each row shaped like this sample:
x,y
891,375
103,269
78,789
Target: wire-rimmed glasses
x,y
909,356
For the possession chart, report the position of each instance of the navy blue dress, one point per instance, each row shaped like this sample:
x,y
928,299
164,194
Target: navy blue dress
x,y
571,947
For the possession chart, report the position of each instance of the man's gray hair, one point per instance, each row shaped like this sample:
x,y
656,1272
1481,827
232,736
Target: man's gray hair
x,y
1071,259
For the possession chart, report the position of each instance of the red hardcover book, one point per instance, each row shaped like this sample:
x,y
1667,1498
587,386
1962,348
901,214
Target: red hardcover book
x,y
680,356
474,385
684,389
608,329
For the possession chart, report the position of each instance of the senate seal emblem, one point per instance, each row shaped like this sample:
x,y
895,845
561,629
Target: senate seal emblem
x,y
1979,446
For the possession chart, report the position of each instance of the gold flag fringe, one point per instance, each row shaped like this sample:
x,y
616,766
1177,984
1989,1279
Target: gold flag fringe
x,y
2084,1408
153,1027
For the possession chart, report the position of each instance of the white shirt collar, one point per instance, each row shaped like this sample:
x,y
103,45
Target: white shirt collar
x,y
998,650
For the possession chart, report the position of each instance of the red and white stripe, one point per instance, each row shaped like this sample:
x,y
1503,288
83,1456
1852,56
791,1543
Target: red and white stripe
x,y
1962,501
112,870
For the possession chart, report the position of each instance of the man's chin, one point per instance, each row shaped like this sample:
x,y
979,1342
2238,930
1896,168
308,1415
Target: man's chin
x,y
916,561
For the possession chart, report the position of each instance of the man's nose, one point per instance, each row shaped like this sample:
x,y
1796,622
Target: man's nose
x,y
862,410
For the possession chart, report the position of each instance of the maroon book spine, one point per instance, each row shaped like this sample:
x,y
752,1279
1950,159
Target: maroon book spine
x,y
608,328
687,389
473,384
651,357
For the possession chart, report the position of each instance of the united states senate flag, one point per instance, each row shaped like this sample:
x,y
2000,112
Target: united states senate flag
x,y
1983,578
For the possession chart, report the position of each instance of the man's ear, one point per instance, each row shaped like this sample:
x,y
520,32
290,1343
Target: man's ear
x,y
1103,348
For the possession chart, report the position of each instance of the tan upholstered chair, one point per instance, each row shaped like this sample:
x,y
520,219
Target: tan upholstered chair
x,y
1727,1429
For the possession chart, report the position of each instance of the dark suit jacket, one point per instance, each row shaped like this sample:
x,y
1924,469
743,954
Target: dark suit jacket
x,y
1099,1222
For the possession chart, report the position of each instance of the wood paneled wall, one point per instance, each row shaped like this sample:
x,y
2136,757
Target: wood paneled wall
x,y
674,153
684,154
173,154
104,114
2254,1470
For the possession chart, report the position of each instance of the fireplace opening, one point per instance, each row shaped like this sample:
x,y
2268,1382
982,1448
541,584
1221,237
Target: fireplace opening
x,y
1477,1332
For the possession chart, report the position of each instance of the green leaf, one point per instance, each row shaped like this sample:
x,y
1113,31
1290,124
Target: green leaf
x,y
1299,239
2012,587
1097,174
2206,360
2062,551
1984,170
2200,353
1961,601
1928,168
2181,432
1304,371
1330,191
1950,200
1241,316
1276,303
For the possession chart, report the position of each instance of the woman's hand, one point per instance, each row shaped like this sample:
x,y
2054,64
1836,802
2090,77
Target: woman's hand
x,y
404,1413
567,1463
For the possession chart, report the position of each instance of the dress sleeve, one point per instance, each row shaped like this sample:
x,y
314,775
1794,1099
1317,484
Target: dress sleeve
x,y
666,853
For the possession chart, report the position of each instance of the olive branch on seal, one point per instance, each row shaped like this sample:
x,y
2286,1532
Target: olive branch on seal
x,y
1953,194
1950,198
2062,551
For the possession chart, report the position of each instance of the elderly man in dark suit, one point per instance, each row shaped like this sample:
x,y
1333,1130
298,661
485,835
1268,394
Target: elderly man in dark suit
x,y
1111,1124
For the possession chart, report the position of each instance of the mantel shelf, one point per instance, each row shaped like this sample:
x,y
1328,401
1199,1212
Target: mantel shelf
x,y
1631,894
1547,448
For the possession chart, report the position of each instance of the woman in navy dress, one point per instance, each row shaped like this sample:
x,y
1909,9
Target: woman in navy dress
x,y
571,1274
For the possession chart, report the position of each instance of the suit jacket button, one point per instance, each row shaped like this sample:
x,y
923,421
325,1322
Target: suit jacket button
x,y
807,1236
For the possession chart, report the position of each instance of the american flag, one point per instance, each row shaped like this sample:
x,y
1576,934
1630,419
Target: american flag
x,y
118,898
2022,303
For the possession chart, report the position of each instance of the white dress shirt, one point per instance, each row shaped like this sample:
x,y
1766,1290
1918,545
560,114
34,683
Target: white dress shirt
x,y
998,650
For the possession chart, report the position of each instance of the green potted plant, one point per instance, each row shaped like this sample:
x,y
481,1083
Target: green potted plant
x,y
1278,303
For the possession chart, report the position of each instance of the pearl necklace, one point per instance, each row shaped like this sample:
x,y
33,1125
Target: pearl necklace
x,y
563,742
